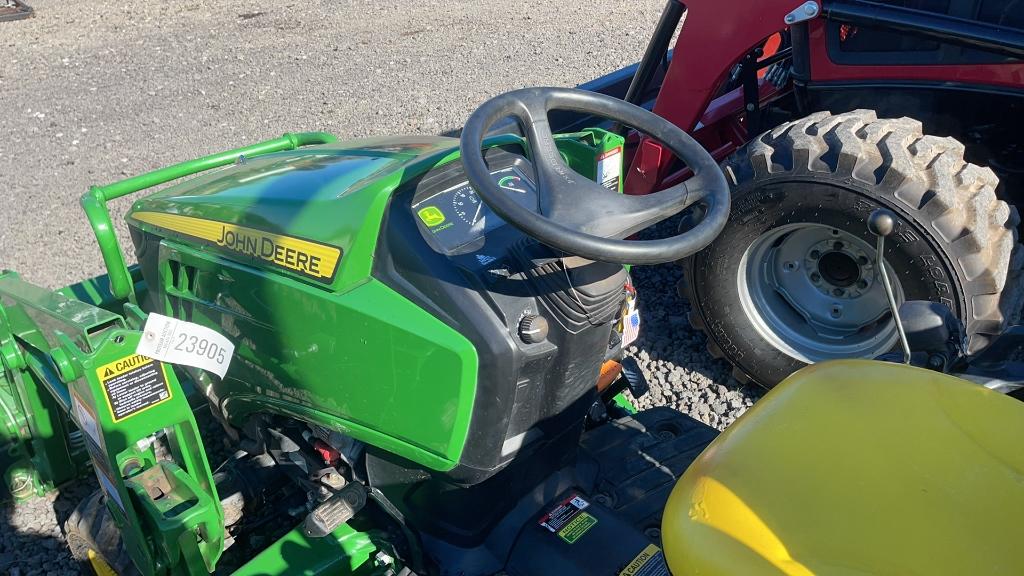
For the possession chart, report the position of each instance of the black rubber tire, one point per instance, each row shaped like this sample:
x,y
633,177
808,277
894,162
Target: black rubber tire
x,y
955,241
91,527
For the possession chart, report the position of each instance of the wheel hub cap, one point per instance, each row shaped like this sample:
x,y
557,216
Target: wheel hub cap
x,y
811,291
839,269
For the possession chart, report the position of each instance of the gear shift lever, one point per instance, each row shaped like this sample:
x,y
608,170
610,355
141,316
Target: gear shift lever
x,y
882,223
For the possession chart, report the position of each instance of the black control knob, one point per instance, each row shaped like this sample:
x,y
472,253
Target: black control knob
x,y
882,222
533,329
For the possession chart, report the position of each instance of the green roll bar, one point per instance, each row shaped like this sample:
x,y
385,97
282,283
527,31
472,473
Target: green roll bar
x,y
94,202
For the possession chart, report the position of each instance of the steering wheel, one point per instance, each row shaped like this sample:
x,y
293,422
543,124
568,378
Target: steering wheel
x,y
577,215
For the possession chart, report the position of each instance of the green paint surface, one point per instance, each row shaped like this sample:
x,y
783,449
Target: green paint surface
x,y
366,362
335,194
344,552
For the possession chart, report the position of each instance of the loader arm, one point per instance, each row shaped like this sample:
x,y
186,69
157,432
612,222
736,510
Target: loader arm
x,y
696,73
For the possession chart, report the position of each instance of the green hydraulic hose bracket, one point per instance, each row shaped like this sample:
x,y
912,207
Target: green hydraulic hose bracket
x,y
94,202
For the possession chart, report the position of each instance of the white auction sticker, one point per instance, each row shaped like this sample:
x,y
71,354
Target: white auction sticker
x,y
179,342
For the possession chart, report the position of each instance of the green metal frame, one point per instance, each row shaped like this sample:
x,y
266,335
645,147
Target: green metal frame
x,y
167,511
345,551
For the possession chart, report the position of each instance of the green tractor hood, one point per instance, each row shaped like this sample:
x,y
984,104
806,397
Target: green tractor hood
x,y
276,252
282,210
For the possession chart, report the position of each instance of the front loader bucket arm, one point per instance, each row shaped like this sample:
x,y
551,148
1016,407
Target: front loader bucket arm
x,y
695,74
73,364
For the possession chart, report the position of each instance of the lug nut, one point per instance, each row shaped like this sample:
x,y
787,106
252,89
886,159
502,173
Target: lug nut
x,y
862,260
815,277
837,292
815,254
838,245
862,284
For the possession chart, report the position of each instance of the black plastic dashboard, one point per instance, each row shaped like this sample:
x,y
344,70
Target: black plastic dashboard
x,y
483,277
452,217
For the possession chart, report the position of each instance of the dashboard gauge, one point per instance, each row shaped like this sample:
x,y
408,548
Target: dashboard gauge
x,y
455,215
513,183
467,205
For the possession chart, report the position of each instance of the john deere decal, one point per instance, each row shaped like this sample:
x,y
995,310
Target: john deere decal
x,y
310,259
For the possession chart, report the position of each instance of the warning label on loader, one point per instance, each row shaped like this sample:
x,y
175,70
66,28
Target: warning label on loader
x,y
86,420
133,384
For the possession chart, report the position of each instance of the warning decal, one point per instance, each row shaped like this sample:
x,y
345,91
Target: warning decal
x,y
133,384
577,527
568,519
609,168
649,562
86,420
108,486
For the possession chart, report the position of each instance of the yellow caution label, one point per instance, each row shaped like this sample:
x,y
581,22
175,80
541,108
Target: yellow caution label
x,y
649,562
305,257
108,371
133,384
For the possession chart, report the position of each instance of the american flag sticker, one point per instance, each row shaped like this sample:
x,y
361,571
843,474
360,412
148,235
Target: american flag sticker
x,y
631,323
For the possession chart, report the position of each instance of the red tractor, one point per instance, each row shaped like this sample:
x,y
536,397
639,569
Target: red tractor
x,y
820,113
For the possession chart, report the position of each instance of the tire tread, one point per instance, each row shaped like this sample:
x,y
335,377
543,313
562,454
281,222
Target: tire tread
x,y
928,177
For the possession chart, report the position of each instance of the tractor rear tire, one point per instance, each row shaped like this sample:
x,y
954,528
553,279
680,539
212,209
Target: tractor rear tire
x,y
94,540
791,279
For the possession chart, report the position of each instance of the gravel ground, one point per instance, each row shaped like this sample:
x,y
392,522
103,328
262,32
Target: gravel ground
x,y
674,357
93,92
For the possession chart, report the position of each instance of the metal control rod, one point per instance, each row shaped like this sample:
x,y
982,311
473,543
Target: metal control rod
x,y
882,223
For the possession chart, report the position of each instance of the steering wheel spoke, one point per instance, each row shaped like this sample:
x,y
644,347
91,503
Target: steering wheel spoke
x,y
564,195
573,200
577,215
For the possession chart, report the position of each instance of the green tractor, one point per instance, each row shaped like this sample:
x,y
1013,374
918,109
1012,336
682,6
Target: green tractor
x,y
413,349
